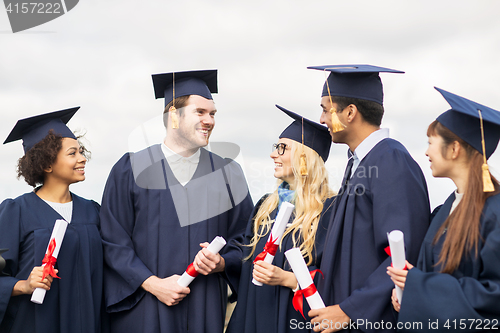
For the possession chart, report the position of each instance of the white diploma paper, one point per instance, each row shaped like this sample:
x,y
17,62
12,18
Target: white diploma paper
x,y
215,246
303,276
279,227
57,234
397,246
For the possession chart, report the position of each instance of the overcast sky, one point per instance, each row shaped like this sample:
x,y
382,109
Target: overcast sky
x,y
101,55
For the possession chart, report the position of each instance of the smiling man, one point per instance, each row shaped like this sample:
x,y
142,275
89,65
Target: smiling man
x,y
383,190
159,205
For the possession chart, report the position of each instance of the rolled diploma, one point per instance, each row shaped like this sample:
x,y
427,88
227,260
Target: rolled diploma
x,y
279,227
397,245
303,276
215,246
57,234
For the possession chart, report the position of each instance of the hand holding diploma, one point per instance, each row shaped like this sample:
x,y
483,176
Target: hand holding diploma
x,y
274,239
204,262
50,258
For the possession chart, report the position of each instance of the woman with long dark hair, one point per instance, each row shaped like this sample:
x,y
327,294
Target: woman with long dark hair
x,y
53,160
299,158
456,282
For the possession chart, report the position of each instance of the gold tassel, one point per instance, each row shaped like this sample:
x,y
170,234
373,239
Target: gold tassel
x,y
303,164
487,183
175,119
337,126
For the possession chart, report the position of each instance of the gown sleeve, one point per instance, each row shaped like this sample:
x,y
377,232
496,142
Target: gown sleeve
x,y
10,213
469,300
399,202
124,270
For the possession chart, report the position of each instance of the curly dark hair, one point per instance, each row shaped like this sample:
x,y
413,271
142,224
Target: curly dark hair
x,y
40,157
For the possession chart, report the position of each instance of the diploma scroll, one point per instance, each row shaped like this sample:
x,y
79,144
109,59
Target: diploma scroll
x,y
190,274
274,239
397,246
304,278
50,258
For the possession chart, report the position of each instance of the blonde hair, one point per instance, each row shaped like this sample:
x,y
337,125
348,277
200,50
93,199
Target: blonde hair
x,y
310,193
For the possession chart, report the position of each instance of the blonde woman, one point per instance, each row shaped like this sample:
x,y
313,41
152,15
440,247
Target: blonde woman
x,y
269,308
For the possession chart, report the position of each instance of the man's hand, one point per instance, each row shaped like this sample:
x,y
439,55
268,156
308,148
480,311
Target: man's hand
x,y
326,319
206,262
166,290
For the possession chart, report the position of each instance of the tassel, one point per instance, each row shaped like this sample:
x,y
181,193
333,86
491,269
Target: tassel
x,y
175,119
337,126
487,183
303,164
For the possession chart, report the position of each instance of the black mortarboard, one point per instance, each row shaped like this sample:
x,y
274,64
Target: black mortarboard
x,y
355,81
177,84
463,120
316,136
34,129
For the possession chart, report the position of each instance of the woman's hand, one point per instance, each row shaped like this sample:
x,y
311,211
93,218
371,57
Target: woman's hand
x,y
26,287
398,276
273,275
395,302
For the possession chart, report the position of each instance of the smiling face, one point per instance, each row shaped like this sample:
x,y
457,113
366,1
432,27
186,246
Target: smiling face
x,y
440,165
283,163
196,123
69,166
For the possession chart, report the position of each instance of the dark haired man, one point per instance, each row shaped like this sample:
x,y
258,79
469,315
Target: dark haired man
x,y
159,205
383,189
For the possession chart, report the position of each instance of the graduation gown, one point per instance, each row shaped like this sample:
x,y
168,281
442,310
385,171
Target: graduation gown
x,y
73,303
152,225
387,192
269,308
468,298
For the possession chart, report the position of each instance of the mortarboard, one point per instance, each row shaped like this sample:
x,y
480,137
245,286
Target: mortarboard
x,y
34,129
476,124
177,84
309,133
355,81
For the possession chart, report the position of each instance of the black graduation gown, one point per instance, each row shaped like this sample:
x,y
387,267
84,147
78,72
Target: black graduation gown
x,y
468,299
143,236
269,308
73,304
387,192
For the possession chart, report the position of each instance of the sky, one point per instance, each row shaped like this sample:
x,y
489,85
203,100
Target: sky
x,y
101,54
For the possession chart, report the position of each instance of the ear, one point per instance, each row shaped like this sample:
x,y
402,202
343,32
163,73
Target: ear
x,y
48,170
455,149
352,112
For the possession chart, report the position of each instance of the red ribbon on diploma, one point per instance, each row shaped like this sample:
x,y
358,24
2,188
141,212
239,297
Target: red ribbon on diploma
x,y
388,251
298,301
270,248
49,261
191,271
